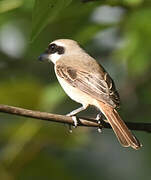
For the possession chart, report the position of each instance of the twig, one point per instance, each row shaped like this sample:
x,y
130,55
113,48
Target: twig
x,y
82,121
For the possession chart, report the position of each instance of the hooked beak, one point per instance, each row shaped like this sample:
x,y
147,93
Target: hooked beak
x,y
43,57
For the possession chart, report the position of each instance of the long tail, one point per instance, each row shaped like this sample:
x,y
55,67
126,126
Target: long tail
x,y
124,135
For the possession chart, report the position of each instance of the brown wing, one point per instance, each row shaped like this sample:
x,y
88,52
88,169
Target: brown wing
x,y
101,88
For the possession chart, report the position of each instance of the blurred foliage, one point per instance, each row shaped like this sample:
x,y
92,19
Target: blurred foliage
x,y
118,34
51,8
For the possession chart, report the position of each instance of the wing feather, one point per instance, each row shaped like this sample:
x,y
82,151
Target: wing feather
x,y
101,88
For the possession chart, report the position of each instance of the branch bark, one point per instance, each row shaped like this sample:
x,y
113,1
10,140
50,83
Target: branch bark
x,y
82,121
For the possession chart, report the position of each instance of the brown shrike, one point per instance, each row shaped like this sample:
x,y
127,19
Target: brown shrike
x,y
86,82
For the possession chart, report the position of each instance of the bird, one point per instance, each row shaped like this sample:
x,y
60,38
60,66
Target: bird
x,y
87,82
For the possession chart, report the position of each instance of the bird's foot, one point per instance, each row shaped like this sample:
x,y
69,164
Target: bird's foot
x,y
75,122
98,118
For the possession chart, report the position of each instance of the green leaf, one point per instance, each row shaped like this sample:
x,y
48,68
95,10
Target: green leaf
x,y
45,12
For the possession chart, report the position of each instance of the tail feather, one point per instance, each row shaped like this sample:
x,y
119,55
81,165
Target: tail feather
x,y
124,135
120,136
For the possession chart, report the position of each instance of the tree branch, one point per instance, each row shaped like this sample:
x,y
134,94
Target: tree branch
x,y
82,121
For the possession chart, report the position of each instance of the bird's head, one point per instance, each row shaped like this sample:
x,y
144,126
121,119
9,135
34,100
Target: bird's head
x,y
59,48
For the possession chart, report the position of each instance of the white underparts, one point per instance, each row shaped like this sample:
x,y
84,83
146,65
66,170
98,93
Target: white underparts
x,y
76,94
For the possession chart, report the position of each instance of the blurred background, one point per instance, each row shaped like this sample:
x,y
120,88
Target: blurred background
x,y
118,34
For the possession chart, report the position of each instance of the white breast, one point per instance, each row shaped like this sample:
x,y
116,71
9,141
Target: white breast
x,y
75,94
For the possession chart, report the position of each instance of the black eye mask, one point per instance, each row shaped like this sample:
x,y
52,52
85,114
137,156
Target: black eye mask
x,y
53,48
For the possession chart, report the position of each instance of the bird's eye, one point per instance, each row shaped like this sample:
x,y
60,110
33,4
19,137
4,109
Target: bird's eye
x,y
52,48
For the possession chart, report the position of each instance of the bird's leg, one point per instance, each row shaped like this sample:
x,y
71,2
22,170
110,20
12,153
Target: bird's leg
x,y
76,111
74,118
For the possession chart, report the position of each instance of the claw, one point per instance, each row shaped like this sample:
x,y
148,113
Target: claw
x,y
70,129
99,122
75,122
99,129
98,117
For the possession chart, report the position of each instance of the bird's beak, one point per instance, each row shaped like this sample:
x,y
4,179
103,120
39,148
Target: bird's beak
x,y
43,57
